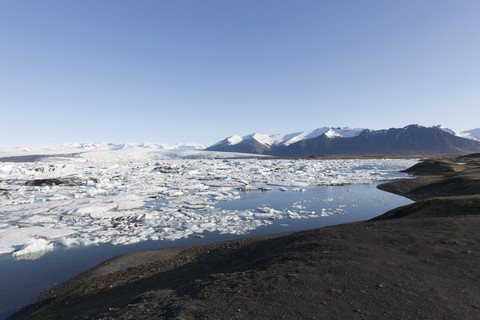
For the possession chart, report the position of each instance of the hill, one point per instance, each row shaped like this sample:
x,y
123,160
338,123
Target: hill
x,y
327,141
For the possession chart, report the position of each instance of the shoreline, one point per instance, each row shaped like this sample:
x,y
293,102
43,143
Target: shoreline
x,y
390,269
442,187
409,268
73,261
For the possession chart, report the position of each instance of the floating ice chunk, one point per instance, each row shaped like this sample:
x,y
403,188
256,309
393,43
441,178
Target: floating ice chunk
x,y
91,241
245,214
218,196
283,189
265,189
37,219
247,188
267,210
178,235
120,240
132,203
15,237
6,168
95,211
173,193
293,215
298,206
67,242
195,206
64,242
223,183
266,215
299,183
209,226
33,249
299,190
326,213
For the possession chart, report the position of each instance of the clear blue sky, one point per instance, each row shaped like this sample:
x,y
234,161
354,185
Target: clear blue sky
x,y
198,71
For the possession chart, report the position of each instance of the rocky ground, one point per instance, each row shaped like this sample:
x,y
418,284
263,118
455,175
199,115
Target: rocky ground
x,y
445,187
425,268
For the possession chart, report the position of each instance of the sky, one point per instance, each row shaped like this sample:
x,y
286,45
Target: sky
x,y
174,71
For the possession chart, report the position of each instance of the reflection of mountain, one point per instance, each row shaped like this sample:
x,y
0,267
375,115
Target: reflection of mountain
x,y
407,140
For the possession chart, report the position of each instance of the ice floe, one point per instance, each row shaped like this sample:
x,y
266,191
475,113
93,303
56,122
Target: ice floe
x,y
127,196
33,249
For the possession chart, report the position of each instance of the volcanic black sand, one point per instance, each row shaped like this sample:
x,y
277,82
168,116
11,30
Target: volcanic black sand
x,y
445,187
424,268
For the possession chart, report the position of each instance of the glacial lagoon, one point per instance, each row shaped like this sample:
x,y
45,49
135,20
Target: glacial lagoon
x,y
159,204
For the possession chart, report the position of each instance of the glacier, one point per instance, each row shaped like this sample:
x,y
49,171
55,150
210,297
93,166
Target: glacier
x,y
129,195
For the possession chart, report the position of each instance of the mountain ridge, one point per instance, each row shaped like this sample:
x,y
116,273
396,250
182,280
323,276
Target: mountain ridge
x,y
324,140
329,140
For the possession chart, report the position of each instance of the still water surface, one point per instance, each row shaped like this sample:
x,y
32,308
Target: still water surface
x,y
22,280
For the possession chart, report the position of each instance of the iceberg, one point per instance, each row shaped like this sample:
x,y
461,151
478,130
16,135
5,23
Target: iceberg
x,y
33,249
123,199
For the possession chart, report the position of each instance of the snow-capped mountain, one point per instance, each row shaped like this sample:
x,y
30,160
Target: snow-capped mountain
x,y
472,134
264,144
326,140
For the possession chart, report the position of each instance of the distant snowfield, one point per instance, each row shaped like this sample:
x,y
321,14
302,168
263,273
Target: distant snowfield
x,y
127,195
71,148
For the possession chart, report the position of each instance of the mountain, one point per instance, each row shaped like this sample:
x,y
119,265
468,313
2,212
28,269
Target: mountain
x,y
263,144
472,134
254,143
408,140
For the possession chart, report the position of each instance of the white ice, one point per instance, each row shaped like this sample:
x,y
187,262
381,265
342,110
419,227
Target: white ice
x,y
33,249
124,197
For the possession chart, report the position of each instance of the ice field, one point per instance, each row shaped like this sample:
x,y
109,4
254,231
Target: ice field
x,y
127,196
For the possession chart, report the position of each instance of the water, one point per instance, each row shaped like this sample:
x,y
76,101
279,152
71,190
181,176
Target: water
x,y
22,280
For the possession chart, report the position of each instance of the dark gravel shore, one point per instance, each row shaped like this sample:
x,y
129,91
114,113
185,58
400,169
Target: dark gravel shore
x,y
394,269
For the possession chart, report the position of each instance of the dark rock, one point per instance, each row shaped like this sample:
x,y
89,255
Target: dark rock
x,y
58,181
166,169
